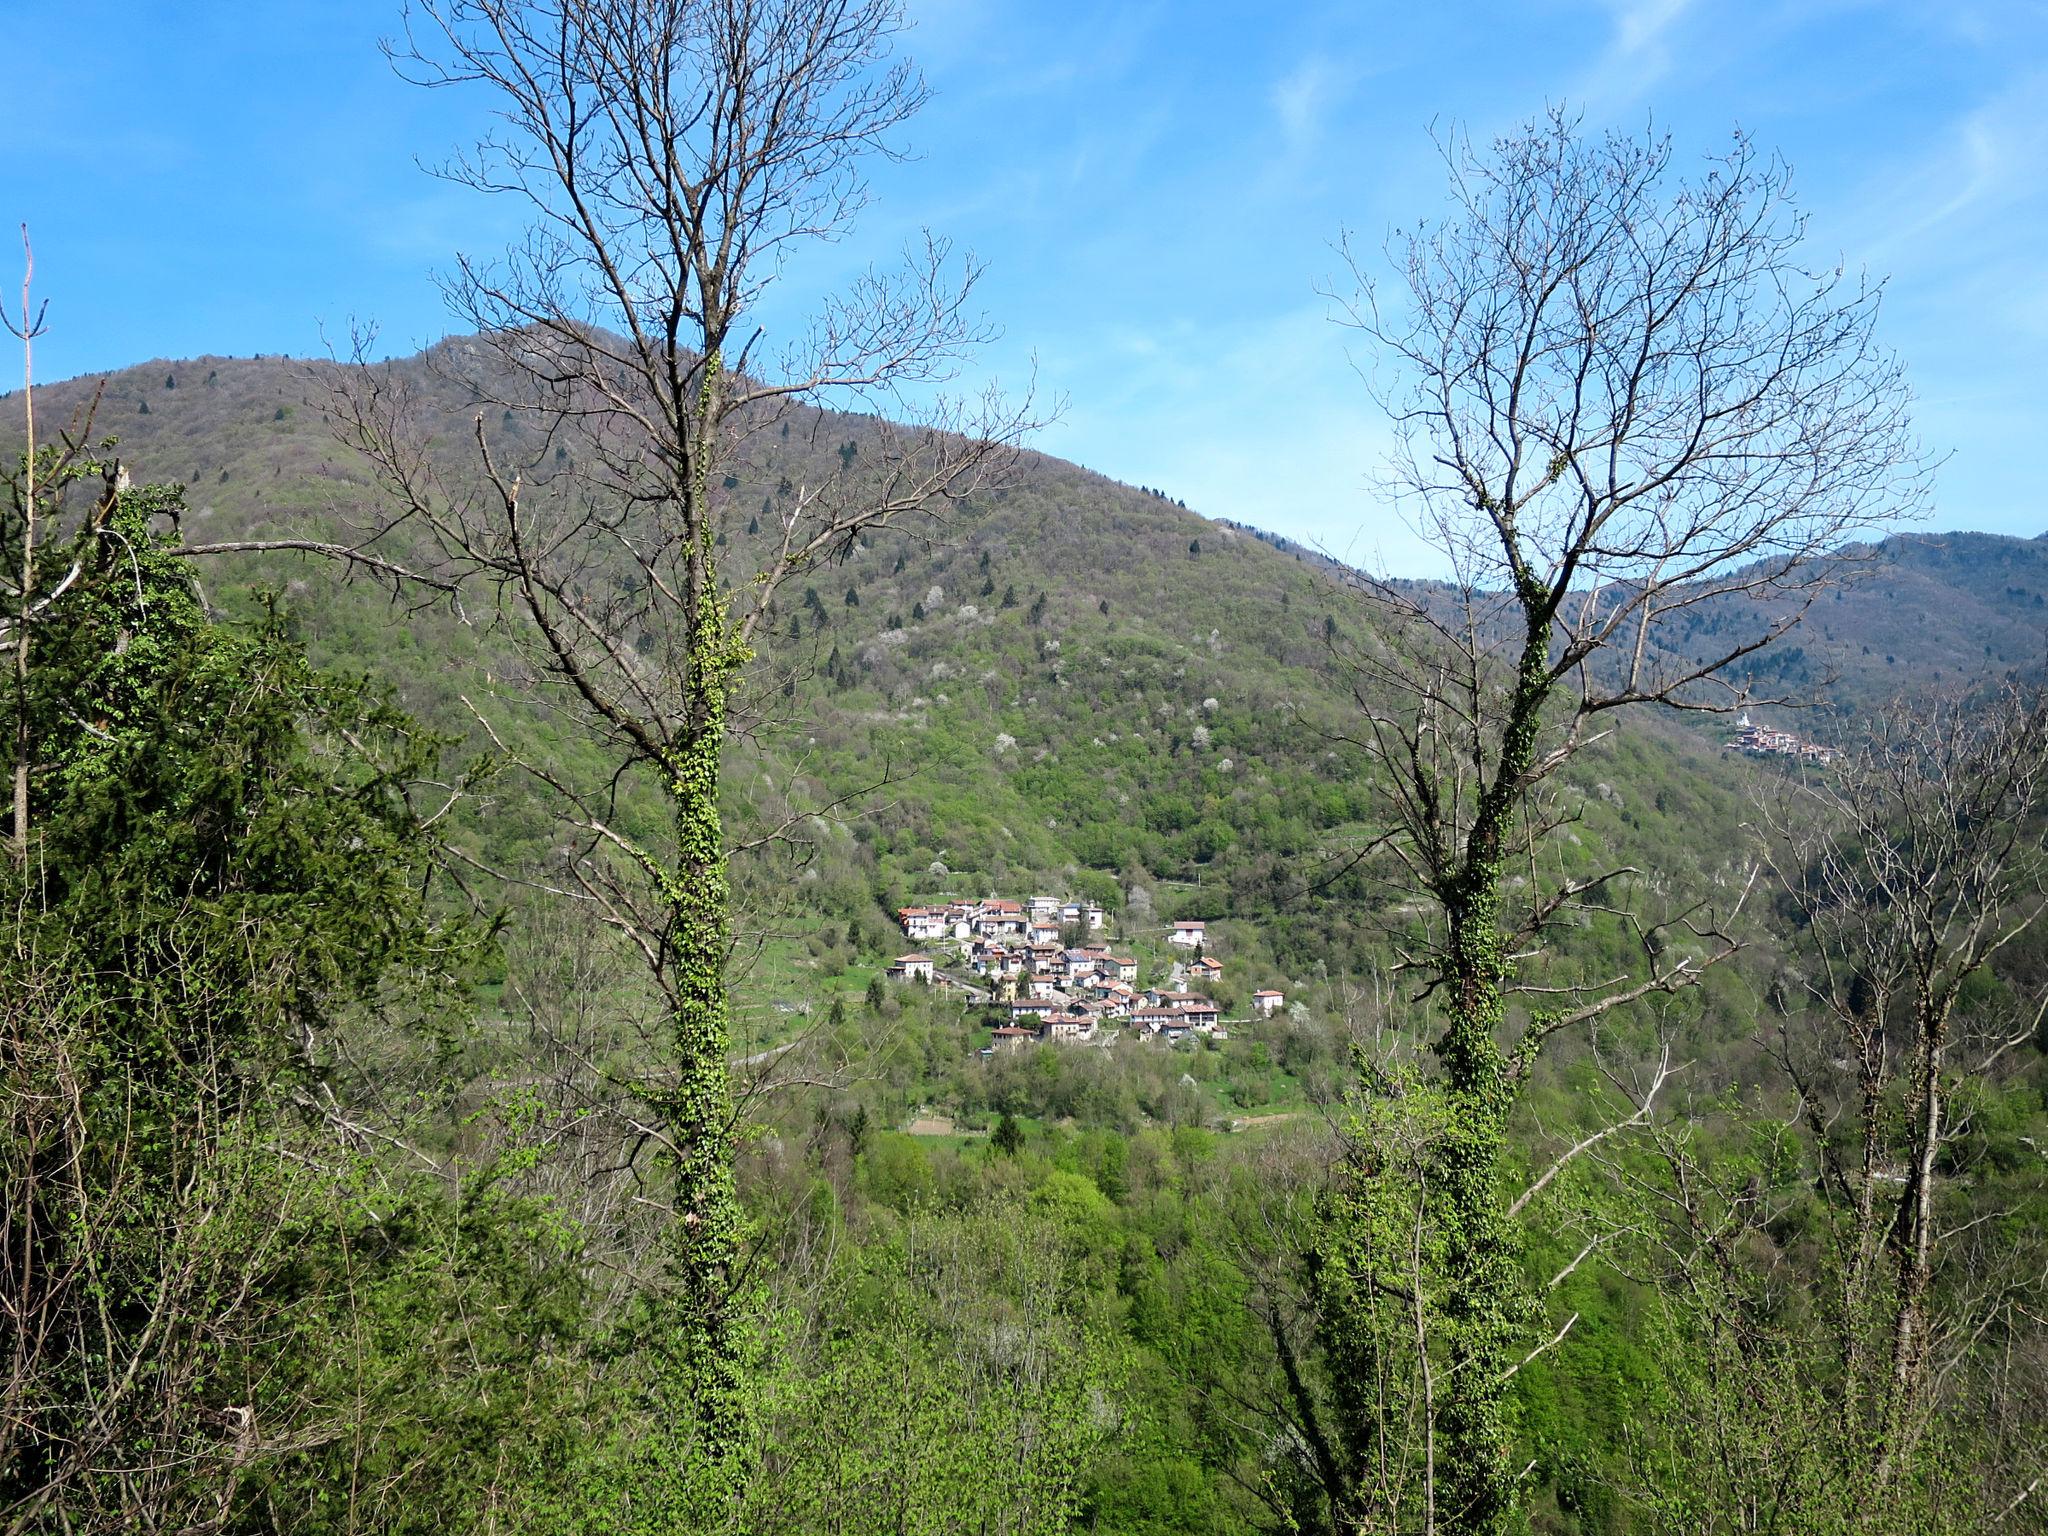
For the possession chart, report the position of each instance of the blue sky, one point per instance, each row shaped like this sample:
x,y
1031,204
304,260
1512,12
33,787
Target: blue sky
x,y
1155,186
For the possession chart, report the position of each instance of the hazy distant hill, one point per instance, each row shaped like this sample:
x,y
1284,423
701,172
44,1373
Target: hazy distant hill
x,y
1917,610
1936,608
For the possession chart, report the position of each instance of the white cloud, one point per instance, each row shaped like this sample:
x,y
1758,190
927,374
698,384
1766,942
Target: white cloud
x,y
1301,98
1987,164
1638,54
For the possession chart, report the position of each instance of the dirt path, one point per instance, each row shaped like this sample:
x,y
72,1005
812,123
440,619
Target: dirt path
x,y
1254,1122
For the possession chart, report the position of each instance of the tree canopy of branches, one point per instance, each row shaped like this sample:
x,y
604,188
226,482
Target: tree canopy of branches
x,y
673,157
1620,396
1911,874
1854,1299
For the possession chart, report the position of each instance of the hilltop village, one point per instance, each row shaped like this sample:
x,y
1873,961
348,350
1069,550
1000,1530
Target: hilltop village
x,y
1041,963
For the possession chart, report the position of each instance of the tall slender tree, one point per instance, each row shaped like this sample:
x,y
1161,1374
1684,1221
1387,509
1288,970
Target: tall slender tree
x,y
674,156
1623,401
42,557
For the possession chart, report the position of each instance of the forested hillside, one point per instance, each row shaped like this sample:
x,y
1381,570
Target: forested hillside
x,y
1072,686
1067,684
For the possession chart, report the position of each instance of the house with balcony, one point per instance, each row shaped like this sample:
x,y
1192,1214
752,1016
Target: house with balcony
x,y
912,968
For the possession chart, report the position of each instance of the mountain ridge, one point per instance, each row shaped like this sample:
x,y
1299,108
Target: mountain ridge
x,y
1095,684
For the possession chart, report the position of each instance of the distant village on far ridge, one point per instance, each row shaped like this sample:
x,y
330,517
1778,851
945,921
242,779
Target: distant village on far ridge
x,y
1042,963
1758,740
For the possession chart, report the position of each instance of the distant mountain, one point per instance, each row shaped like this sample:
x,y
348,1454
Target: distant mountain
x,y
1075,684
1931,609
1913,612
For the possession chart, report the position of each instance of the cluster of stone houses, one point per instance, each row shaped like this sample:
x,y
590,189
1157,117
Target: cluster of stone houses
x,y
1087,1003
1096,988
1068,994
1040,920
1762,741
1052,991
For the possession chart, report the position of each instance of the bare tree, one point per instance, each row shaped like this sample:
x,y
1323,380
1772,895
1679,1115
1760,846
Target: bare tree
x,y
673,155
27,509
45,539
1856,1282
1910,873
1622,398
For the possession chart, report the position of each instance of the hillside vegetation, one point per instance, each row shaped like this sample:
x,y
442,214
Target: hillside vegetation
x,y
1070,686
1084,681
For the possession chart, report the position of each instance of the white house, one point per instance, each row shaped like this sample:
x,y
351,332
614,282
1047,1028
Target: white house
x,y
923,922
1087,913
1189,935
1068,1025
999,918
1266,1002
912,968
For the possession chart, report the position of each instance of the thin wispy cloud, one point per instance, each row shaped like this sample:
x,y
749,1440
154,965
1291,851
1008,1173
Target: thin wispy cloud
x,y
1641,26
1301,101
1639,51
1987,163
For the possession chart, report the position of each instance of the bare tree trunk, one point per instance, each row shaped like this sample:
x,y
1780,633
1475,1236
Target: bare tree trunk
x,y
1485,1307
23,743
700,1110
1913,1235
710,1227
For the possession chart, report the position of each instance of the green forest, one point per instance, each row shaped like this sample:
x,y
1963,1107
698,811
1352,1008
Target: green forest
x,y
457,1067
